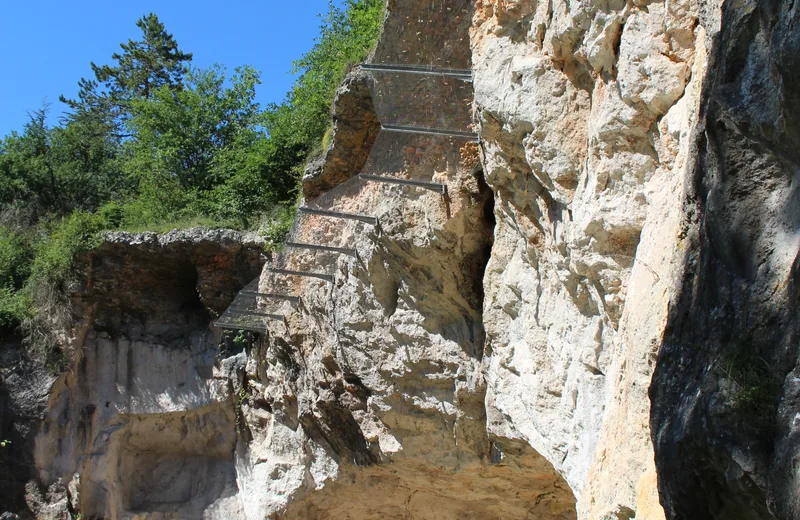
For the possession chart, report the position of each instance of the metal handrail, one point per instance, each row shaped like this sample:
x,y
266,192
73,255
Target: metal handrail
x,y
336,214
441,188
462,74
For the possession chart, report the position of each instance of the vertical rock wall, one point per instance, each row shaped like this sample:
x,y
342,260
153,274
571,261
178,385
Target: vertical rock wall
x,y
144,422
367,400
725,390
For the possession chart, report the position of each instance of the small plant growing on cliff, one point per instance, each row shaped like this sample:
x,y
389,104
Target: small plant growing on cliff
x,y
754,386
240,340
275,227
5,443
244,396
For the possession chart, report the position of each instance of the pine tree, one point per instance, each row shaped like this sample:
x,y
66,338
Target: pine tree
x,y
145,65
142,68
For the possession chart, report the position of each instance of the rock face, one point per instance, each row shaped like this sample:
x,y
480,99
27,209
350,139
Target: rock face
x,y
587,114
24,390
597,321
367,400
725,389
355,127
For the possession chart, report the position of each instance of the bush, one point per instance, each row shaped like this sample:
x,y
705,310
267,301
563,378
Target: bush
x,y
15,308
46,289
15,258
112,214
347,36
75,234
275,227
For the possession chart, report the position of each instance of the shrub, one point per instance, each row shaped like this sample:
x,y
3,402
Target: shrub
x,y
15,308
112,213
75,234
15,258
275,227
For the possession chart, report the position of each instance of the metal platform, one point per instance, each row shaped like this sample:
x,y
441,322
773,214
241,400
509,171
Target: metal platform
x,y
432,131
314,247
462,74
321,276
439,188
334,214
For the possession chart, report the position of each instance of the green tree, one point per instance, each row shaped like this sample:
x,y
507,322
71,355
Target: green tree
x,y
146,65
27,175
187,128
57,170
297,126
85,154
204,149
347,35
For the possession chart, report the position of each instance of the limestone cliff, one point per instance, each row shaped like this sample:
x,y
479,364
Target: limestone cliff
x,y
725,388
596,321
587,113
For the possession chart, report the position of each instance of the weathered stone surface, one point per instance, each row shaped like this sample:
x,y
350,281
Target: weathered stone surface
x,y
147,414
368,401
24,390
355,127
146,271
586,112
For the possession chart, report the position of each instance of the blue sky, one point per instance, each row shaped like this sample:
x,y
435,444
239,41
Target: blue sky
x,y
46,45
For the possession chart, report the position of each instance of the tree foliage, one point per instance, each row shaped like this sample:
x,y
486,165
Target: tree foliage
x,y
143,67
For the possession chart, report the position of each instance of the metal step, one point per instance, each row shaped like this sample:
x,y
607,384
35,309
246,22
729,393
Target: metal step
x,y
439,188
269,296
326,277
314,247
231,326
334,214
462,74
431,131
259,314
